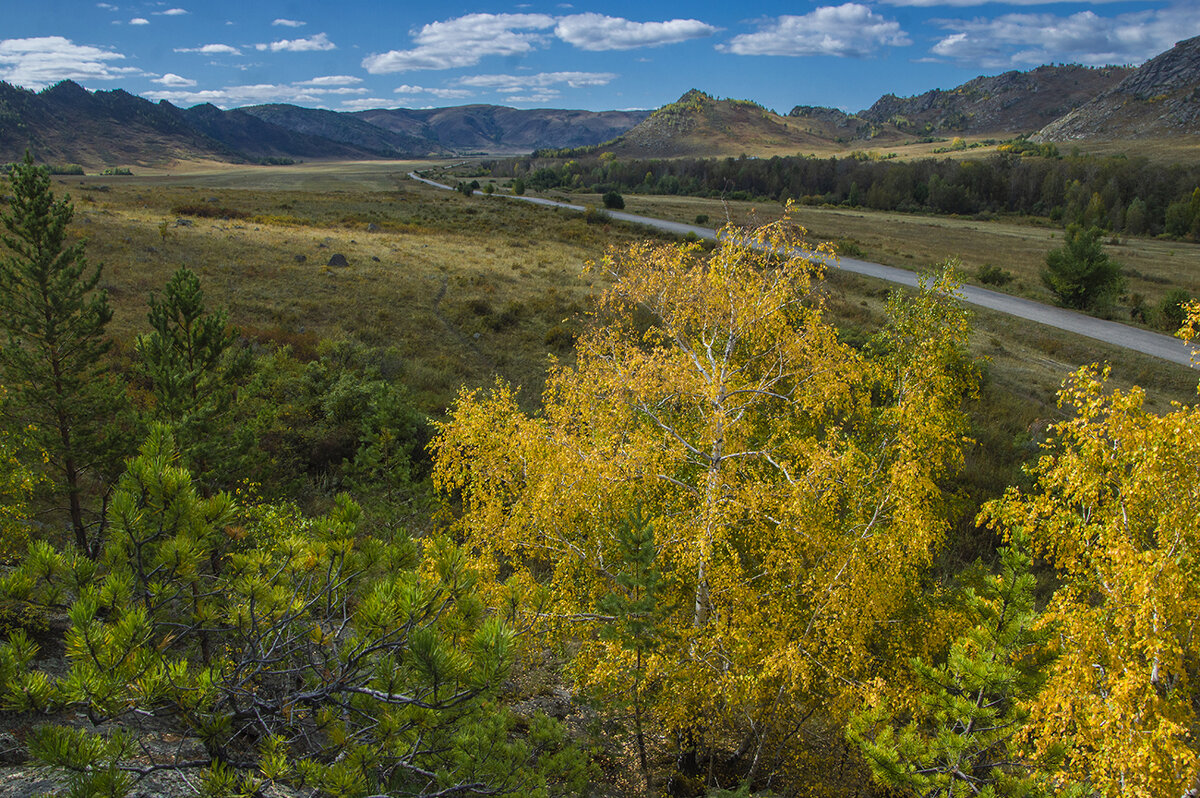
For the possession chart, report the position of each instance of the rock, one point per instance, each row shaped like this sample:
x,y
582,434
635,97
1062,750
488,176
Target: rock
x,y
338,259
12,752
301,258
372,228
213,199
181,222
375,258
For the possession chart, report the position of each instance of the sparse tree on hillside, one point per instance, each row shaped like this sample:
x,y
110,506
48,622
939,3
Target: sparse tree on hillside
x,y
53,317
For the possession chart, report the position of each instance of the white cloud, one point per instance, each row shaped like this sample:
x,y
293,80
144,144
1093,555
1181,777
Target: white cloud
x,y
311,44
1022,40
211,49
174,81
848,30
543,80
139,21
548,95
172,12
463,41
255,94
289,23
330,80
445,94
107,6
40,61
598,32
965,3
367,104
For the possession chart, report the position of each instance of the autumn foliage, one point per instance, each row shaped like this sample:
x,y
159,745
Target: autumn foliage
x,y
790,481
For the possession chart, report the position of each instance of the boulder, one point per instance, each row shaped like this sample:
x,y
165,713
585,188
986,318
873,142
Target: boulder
x,y
338,259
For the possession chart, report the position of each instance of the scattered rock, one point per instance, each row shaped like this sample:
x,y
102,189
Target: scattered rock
x,y
477,336
12,752
301,258
213,199
181,222
375,258
322,245
372,228
338,259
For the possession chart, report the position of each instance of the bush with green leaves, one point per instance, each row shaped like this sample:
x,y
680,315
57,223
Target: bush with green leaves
x,y
288,650
613,200
1080,273
334,423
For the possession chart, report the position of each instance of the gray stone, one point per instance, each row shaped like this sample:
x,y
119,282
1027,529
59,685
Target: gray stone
x,y
12,751
338,259
301,258
372,228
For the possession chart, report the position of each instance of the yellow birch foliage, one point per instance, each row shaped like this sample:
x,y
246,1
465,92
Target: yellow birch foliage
x,y
1117,512
790,480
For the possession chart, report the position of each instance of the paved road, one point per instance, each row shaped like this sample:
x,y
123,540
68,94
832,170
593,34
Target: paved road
x,y
1111,332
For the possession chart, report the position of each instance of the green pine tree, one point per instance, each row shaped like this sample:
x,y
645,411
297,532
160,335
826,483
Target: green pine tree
x,y
959,740
52,362
193,364
1080,273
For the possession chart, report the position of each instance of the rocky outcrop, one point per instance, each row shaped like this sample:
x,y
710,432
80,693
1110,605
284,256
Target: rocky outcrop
x,y
1159,98
1010,103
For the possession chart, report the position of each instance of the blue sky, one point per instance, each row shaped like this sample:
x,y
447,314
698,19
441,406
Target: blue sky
x,y
581,54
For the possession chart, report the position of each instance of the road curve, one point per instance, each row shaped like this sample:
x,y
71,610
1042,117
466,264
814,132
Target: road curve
x,y
1110,332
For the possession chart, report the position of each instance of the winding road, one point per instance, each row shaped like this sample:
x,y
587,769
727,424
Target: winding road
x,y
1110,332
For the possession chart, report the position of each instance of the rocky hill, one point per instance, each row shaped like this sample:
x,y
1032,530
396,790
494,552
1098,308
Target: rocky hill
x,y
1007,104
1161,98
497,129
698,124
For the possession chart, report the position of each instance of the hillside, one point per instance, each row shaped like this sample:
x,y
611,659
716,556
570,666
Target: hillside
x,y
701,125
497,129
345,129
65,123
1161,98
1011,103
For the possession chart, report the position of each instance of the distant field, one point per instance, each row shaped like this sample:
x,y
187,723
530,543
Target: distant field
x,y
307,176
464,289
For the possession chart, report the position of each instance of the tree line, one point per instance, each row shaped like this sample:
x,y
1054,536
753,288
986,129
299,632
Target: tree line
x,y
1116,193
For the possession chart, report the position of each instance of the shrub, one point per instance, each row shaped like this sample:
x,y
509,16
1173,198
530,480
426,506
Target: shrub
x,y
206,211
702,218
1170,311
613,200
994,275
1080,273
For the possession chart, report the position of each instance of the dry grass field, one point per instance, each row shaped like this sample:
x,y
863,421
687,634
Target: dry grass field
x,y
464,289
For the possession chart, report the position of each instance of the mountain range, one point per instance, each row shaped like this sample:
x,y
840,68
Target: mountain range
x,y
65,123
